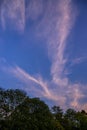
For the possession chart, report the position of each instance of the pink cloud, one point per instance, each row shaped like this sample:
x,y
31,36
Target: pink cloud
x,y
55,26
13,12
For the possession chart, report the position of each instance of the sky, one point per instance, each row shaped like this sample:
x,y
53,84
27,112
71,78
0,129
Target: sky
x,y
43,50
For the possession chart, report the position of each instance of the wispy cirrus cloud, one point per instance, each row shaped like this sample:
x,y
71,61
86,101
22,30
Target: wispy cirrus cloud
x,y
15,14
34,9
78,60
55,24
68,96
65,97
63,26
55,27
75,93
13,11
26,78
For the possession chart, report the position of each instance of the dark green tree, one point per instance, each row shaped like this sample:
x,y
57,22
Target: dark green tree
x,y
82,120
19,112
58,116
33,114
9,100
70,118
57,113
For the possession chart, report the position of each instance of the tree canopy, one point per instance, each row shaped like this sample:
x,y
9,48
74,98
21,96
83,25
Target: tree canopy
x,y
19,112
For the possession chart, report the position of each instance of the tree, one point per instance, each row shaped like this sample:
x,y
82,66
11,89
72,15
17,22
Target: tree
x,y
32,114
57,113
71,119
19,112
82,120
9,100
58,116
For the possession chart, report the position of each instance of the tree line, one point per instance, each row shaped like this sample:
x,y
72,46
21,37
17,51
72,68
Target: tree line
x,y
20,112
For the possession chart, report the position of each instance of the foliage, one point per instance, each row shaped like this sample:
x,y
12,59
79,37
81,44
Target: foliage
x,y
19,112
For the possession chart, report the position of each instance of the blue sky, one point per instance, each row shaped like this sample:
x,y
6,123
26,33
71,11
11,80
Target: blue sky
x,y
43,49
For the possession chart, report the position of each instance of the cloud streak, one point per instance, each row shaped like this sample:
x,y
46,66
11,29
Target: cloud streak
x,y
55,26
78,60
26,77
56,29
65,97
63,26
36,85
13,11
21,74
54,21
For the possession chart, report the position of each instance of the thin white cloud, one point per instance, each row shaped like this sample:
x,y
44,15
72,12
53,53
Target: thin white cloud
x,y
20,73
34,9
13,14
26,77
56,29
78,60
65,97
36,85
75,94
55,26
64,26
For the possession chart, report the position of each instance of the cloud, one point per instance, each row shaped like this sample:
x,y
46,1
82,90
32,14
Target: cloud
x,y
54,22
13,14
56,26
78,60
34,9
63,26
69,96
36,85
26,78
75,94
